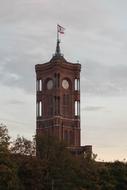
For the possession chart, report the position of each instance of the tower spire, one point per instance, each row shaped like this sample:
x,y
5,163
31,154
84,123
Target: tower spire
x,y
58,48
60,30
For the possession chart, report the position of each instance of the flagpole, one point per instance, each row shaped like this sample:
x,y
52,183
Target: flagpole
x,y
60,30
58,41
57,34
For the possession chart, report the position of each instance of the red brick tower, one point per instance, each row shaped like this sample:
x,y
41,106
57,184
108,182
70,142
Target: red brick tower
x,y
58,99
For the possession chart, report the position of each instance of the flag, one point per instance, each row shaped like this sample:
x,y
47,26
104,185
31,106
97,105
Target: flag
x,y
60,29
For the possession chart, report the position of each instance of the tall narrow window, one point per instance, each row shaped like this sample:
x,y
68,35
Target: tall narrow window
x,y
39,85
54,107
76,84
66,103
57,105
37,109
76,106
50,105
40,109
57,80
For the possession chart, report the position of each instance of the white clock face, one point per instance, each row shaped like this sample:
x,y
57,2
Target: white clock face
x,y
65,84
50,84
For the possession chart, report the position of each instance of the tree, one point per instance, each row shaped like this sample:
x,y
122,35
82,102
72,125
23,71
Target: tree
x,y
4,139
31,172
62,168
23,146
8,171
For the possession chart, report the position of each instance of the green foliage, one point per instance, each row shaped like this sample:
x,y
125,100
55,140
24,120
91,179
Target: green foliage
x,y
4,139
31,172
8,171
54,167
8,177
23,146
61,166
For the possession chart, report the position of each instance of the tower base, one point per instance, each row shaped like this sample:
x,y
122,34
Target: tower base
x,y
81,151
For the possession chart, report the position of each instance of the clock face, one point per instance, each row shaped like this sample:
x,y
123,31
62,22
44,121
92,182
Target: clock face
x,y
50,84
65,84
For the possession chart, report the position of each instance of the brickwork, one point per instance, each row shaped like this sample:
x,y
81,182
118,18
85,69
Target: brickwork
x,y
58,100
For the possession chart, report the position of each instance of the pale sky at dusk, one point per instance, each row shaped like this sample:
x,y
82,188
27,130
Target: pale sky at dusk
x,y
96,36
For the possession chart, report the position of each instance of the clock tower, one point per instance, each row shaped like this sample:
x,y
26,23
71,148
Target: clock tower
x,y
58,100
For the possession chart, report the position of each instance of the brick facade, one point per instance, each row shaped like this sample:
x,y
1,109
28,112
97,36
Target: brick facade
x,y
58,92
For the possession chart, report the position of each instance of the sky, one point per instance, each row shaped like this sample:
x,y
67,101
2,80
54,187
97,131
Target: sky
x,y
96,37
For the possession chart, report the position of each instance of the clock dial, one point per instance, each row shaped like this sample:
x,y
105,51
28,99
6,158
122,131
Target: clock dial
x,y
50,84
65,84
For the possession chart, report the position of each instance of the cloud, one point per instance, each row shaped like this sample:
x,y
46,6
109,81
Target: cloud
x,y
95,35
15,102
28,37
93,108
101,79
